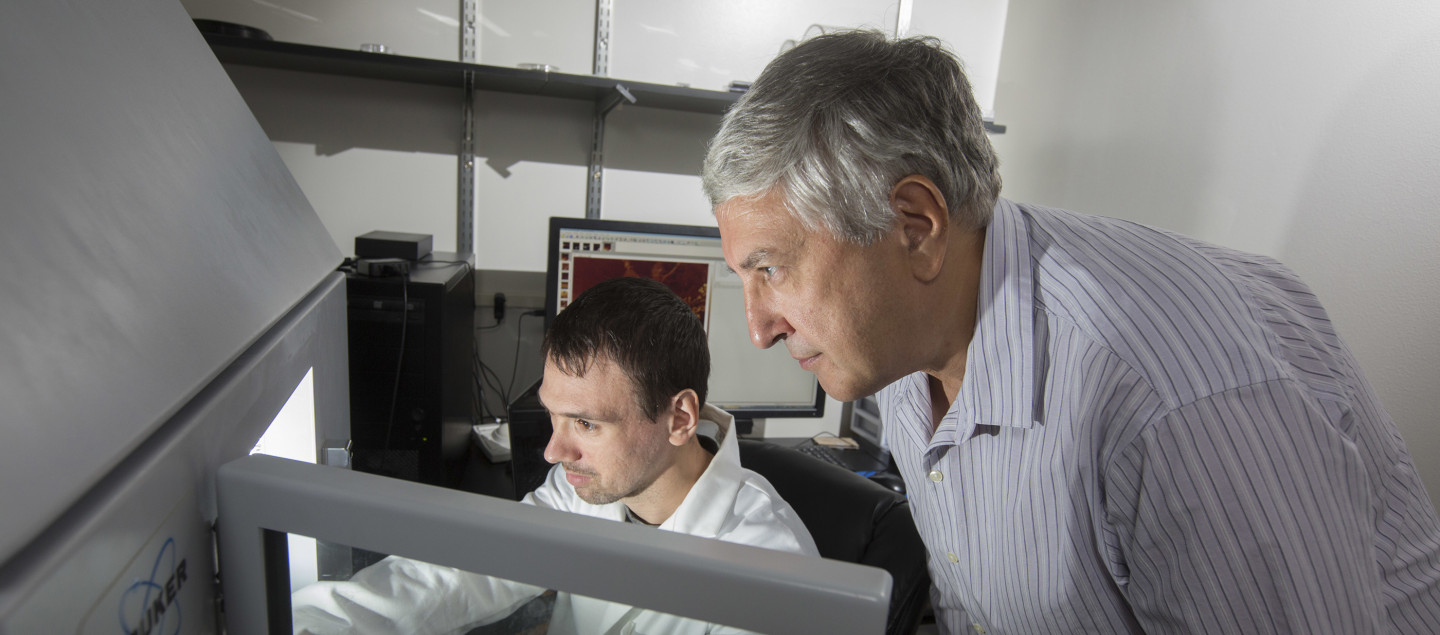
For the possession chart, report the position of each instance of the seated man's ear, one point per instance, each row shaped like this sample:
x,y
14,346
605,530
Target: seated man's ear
x,y
683,416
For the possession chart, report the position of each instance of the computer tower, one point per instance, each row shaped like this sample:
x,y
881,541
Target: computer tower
x,y
411,343
529,434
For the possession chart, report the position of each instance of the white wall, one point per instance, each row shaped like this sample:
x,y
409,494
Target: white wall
x,y
710,44
418,28
382,155
974,30
368,154
1302,130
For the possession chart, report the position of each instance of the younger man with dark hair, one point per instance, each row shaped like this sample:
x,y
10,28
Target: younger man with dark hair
x,y
626,367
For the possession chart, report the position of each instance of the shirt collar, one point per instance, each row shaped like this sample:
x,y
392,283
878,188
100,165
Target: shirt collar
x,y
697,514
724,435
999,385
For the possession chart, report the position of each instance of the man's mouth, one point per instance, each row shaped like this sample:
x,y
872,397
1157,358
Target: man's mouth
x,y
807,362
577,479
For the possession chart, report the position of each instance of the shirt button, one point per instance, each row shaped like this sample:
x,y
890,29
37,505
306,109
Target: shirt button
x,y
978,628
936,476
954,559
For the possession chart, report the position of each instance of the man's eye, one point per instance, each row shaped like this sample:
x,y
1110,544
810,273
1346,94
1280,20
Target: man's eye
x,y
584,425
769,271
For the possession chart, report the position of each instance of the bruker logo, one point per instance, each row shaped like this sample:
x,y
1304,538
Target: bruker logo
x,y
148,606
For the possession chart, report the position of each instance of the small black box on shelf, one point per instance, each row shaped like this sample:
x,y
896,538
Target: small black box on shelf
x,y
382,244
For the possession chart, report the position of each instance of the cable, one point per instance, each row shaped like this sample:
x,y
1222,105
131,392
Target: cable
x,y
486,375
504,397
483,380
516,364
477,395
445,262
400,362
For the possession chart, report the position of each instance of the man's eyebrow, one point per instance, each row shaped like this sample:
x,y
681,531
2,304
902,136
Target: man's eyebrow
x,y
755,258
547,408
600,417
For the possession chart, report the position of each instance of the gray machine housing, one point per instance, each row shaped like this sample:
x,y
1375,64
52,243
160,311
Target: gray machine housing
x,y
168,287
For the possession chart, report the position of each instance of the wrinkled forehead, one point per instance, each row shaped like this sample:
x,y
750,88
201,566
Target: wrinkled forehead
x,y
772,205
751,226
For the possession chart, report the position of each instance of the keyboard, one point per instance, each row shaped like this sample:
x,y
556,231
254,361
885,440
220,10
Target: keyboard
x,y
820,452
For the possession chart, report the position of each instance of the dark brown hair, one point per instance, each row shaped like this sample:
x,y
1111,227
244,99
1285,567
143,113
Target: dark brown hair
x,y
644,328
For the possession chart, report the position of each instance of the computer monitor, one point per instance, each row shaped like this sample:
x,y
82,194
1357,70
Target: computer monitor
x,y
748,382
263,500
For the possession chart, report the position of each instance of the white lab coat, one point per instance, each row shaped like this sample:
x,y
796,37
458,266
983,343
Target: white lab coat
x,y
397,595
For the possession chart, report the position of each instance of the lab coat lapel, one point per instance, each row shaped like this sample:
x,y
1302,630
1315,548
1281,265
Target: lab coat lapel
x,y
697,515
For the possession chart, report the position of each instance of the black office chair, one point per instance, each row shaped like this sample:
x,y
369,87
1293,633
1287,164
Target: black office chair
x,y
853,519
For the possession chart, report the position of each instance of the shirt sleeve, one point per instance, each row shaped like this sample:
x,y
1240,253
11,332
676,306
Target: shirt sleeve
x,y
1247,511
399,595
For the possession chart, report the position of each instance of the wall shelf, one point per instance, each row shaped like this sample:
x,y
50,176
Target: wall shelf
x,y
604,92
332,61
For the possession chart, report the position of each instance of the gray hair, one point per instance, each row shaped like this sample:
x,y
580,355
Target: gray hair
x,y
834,123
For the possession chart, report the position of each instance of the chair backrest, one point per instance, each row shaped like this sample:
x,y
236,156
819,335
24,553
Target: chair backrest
x,y
853,519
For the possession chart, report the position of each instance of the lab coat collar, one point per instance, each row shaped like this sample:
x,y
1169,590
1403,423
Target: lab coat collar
x,y
698,515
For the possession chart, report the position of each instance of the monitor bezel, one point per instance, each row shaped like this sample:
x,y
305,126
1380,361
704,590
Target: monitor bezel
x,y
262,498
552,278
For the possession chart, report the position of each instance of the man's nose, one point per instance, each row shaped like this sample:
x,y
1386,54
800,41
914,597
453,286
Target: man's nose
x,y
766,324
559,449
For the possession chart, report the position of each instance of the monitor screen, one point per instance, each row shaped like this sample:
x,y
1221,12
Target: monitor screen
x,y
748,382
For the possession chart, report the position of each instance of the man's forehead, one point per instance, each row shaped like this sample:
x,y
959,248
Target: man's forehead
x,y
594,406
762,209
595,395
751,230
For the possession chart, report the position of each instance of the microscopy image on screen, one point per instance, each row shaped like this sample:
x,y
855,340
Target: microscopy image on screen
x,y
689,280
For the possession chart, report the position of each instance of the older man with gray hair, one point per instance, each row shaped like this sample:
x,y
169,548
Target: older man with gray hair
x,y
1104,427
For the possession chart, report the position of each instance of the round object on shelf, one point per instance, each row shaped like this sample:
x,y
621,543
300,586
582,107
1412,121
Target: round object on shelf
x,y
216,27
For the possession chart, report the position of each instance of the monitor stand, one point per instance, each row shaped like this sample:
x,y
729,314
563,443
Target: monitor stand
x,y
749,428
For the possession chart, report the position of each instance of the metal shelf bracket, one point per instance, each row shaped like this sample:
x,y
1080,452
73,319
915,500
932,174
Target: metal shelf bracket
x,y
597,147
465,197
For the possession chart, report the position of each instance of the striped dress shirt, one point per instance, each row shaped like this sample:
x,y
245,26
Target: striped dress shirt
x,y
1159,435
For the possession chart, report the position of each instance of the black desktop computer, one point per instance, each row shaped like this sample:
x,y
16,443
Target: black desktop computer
x,y
529,434
412,387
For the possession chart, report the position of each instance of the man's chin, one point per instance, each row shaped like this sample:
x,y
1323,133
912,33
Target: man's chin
x,y
596,498
847,388
841,392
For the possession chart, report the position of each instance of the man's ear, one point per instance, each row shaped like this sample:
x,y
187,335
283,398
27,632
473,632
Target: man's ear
x,y
683,417
924,224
